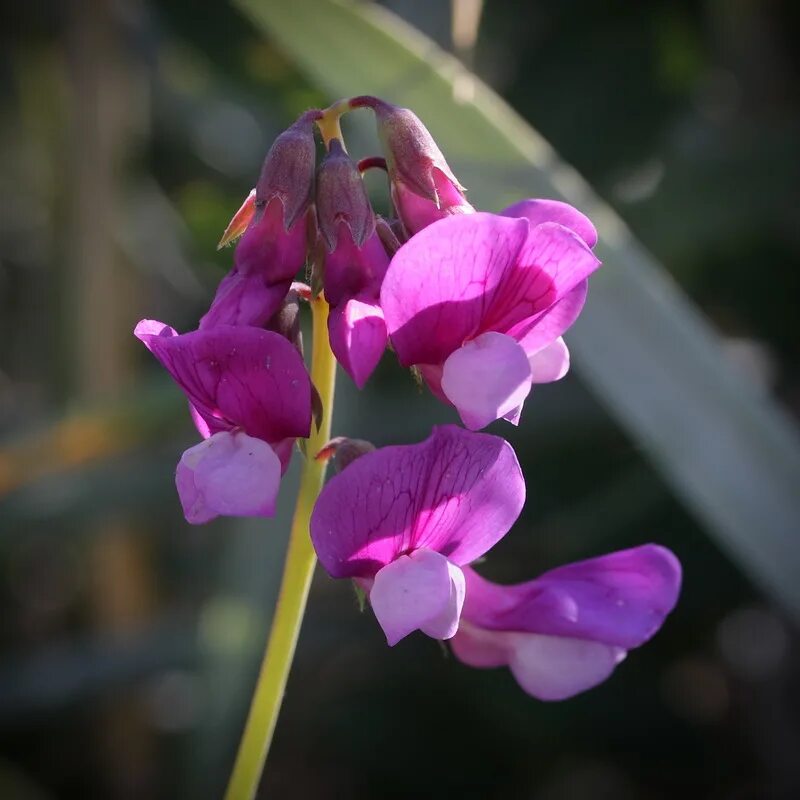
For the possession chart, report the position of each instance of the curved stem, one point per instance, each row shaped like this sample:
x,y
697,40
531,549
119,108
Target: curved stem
x,y
297,573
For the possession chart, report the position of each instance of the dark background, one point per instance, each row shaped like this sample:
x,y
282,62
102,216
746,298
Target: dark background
x,y
129,133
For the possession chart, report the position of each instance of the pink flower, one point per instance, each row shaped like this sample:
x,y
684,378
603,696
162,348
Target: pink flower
x,y
274,244
404,521
479,303
250,397
354,263
566,631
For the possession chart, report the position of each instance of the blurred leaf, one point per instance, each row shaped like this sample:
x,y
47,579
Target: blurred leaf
x,y
727,451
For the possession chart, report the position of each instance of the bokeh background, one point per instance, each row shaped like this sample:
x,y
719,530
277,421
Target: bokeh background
x,y
130,130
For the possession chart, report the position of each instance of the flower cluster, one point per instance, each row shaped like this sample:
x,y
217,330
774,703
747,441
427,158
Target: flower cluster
x,y
477,304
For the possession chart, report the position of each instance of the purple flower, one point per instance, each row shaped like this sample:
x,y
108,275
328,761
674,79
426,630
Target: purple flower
x,y
566,631
404,520
479,303
273,247
250,397
354,263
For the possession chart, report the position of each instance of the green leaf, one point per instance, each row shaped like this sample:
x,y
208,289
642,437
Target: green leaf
x,y
728,452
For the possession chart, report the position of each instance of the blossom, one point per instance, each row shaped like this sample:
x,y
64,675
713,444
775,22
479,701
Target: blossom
x,y
275,222
354,263
567,630
250,397
479,303
404,520
424,188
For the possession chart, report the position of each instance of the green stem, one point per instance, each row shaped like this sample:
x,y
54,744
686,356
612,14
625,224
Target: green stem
x,y
297,573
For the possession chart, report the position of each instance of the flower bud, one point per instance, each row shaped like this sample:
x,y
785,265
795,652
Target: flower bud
x,y
424,188
353,262
342,197
286,320
288,170
344,451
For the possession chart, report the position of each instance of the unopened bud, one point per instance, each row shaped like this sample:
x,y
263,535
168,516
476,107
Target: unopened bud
x,y
344,451
286,320
392,234
342,197
424,187
288,170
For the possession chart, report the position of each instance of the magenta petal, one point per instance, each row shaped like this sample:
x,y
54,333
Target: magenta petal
x,y
237,377
244,300
620,599
555,668
552,262
439,283
546,667
540,330
351,270
358,337
551,363
417,212
456,493
265,261
539,211
229,474
486,378
423,591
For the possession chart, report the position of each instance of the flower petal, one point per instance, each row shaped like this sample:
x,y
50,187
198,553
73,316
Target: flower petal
x,y
243,299
542,329
551,263
456,493
546,667
265,261
417,212
351,270
440,282
551,363
229,474
619,599
357,333
237,377
539,211
486,378
422,591
555,668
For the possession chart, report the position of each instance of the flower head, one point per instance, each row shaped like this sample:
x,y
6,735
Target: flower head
x,y
567,630
250,397
479,303
404,520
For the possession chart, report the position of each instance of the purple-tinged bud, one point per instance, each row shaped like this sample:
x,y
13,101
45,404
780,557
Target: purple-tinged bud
x,y
424,188
344,451
342,198
288,170
286,320
392,234
353,262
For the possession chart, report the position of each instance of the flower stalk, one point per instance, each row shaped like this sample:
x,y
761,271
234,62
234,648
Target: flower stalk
x,y
298,571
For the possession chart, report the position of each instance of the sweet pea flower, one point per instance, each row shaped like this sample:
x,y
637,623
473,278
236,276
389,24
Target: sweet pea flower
x,y
354,263
250,398
274,220
566,631
479,303
404,520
